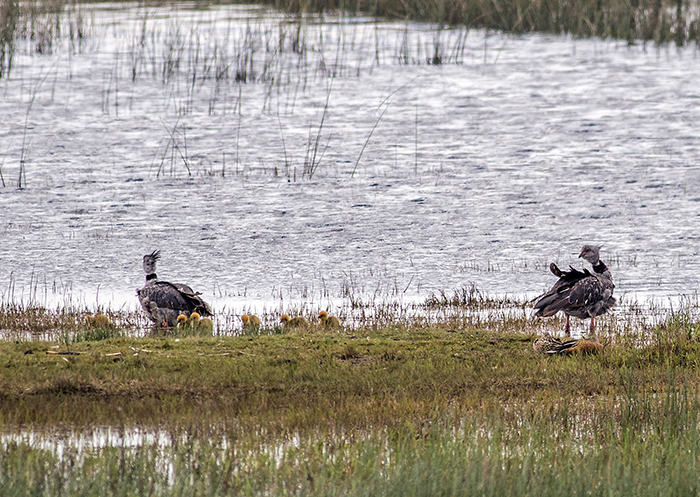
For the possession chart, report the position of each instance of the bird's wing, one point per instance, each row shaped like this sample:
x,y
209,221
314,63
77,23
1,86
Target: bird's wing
x,y
558,296
166,296
563,347
585,292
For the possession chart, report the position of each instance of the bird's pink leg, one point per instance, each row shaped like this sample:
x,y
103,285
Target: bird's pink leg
x,y
592,326
567,330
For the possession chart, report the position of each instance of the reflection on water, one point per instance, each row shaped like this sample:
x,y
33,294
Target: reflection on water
x,y
80,440
274,165
165,445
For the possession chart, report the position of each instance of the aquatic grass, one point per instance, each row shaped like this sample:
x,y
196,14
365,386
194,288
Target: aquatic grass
x,y
357,307
40,26
177,142
276,52
384,103
312,159
640,444
9,18
23,322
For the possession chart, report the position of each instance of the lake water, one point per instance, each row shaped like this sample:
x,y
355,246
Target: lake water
x,y
276,161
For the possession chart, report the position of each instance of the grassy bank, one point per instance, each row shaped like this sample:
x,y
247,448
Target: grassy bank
x,y
388,377
432,410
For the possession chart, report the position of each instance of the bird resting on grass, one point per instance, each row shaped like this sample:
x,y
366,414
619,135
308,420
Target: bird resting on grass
x,y
297,322
548,344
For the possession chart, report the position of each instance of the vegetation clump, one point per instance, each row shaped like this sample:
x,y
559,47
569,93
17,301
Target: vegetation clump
x,y
97,327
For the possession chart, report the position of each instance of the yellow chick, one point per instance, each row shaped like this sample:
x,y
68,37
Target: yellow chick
x,y
194,319
329,322
250,322
297,322
206,326
99,321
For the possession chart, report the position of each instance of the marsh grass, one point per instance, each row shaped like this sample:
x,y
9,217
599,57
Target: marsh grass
x,y
21,322
447,408
40,26
9,18
492,453
175,148
649,20
287,51
395,412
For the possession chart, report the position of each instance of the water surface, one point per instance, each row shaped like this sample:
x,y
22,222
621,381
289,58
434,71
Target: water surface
x,y
345,165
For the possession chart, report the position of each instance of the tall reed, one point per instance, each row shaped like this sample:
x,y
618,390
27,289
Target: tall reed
x,y
9,19
662,21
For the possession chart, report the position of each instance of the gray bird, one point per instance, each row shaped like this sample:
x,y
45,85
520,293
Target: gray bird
x,y
581,294
163,301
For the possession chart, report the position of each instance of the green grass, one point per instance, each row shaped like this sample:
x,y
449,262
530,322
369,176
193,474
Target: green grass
x,y
448,408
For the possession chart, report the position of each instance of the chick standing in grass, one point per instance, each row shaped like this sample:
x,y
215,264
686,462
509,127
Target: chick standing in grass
x,y
181,322
99,321
250,322
195,323
206,326
329,322
194,320
297,322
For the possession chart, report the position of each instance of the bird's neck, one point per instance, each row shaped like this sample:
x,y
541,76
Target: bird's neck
x,y
151,277
600,267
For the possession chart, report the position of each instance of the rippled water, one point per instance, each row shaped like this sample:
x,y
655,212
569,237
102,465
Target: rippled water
x,y
511,154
